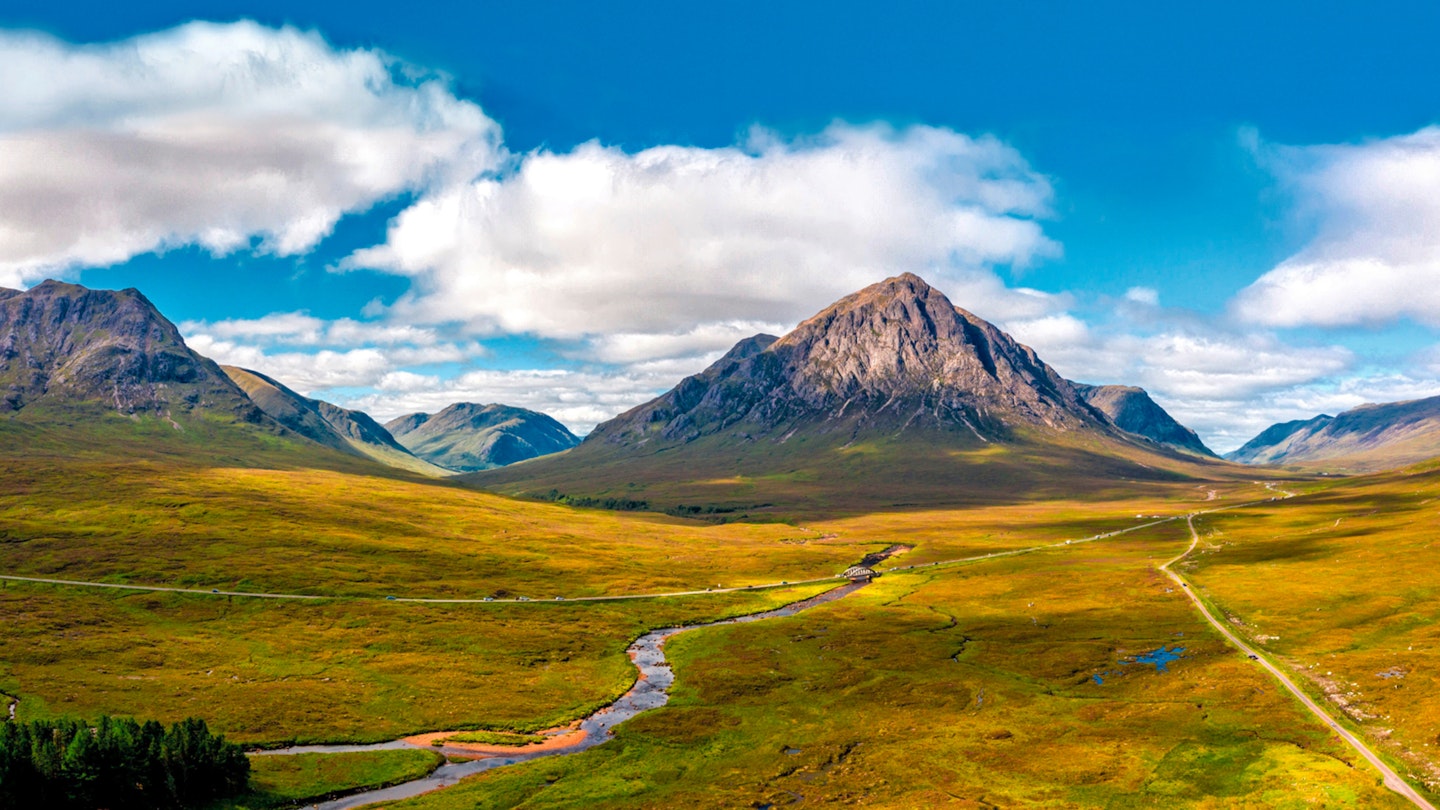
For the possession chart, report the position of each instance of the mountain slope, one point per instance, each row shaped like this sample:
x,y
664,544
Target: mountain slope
x,y
469,437
63,344
1132,410
1363,439
891,395
349,431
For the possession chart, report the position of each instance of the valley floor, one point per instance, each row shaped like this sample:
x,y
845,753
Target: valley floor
x,y
1072,675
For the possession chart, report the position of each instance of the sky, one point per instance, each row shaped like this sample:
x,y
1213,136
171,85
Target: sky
x,y
570,206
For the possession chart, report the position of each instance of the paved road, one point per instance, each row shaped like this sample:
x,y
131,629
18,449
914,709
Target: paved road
x,y
1392,779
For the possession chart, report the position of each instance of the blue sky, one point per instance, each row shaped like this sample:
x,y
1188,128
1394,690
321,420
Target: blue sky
x,y
569,206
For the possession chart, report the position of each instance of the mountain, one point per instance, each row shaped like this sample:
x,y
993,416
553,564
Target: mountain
x,y
469,437
63,344
103,375
348,431
896,355
1363,439
1132,410
893,395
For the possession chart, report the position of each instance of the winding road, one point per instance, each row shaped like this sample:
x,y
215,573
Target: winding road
x,y
1392,779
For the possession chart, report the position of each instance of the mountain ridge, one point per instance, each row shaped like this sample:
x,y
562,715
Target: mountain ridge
x,y
1133,410
353,432
1366,438
468,436
891,395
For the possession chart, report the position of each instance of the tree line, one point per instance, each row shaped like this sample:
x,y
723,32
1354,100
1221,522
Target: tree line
x,y
116,763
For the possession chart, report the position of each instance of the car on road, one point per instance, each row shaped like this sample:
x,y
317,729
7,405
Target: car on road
x,y
489,599
1254,657
389,599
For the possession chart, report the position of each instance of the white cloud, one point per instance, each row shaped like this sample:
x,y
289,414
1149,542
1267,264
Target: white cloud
x,y
706,340
314,373
1226,386
1375,254
672,239
1148,296
214,135
301,329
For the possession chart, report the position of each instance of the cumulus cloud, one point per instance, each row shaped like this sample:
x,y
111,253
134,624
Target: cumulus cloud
x,y
1225,385
673,239
315,372
1375,254
215,135
301,329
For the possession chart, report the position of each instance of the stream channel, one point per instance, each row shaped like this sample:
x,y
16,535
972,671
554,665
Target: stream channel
x,y
651,690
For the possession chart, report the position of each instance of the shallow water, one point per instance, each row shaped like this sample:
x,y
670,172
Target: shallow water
x,y
651,691
1160,658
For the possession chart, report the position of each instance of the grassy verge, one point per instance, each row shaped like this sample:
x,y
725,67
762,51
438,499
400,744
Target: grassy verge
x,y
293,780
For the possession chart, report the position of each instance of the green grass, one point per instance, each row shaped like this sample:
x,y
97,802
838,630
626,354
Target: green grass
x,y
494,738
302,779
965,685
811,477
266,672
220,507
1339,585
971,687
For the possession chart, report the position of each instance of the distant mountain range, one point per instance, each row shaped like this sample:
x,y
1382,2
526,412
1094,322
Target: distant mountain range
x,y
892,395
469,437
330,425
892,392
65,348
1362,439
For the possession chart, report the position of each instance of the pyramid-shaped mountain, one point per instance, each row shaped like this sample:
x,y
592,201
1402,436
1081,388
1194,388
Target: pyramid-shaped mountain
x,y
892,390
895,356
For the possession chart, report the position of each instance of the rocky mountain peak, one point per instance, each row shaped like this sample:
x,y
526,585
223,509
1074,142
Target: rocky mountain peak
x,y
896,355
65,342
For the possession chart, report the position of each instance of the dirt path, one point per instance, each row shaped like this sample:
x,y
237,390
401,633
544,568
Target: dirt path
x,y
1392,779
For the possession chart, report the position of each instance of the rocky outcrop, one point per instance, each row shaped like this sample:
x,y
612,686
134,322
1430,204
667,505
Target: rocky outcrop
x,y
468,437
895,356
1132,410
66,344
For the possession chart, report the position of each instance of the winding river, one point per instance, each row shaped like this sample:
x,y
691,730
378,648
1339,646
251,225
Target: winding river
x,y
651,690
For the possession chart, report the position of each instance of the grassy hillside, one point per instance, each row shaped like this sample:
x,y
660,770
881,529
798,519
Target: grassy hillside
x,y
813,475
221,506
